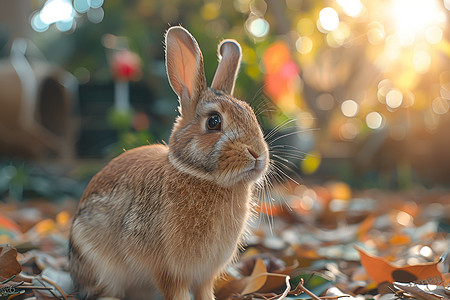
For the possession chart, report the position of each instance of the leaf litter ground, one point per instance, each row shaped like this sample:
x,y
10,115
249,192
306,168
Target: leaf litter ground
x,y
309,242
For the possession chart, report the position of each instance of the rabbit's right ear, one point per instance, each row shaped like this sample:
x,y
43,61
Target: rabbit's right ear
x,y
184,64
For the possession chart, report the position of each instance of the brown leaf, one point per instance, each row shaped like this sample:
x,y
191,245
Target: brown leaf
x,y
273,264
9,266
245,285
257,279
274,283
382,271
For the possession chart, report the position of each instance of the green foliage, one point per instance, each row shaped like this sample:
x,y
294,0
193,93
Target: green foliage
x,y
20,181
128,137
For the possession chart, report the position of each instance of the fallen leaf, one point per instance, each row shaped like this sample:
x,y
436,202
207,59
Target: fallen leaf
x,y
9,266
274,283
245,285
380,270
257,279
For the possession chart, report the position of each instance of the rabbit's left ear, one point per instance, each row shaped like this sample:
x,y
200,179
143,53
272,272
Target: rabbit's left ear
x,y
184,64
230,53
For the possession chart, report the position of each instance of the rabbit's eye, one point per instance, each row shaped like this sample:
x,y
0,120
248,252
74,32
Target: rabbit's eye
x,y
214,122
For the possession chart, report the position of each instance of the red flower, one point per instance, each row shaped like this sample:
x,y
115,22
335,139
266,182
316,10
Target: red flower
x,y
126,66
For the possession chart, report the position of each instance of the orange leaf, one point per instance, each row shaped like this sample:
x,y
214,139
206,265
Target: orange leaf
x,y
9,265
257,279
380,270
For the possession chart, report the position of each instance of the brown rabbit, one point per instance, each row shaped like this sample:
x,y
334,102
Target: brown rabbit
x,y
169,218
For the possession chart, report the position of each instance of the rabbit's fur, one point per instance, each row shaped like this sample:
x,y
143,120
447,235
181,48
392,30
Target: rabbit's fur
x,y
169,218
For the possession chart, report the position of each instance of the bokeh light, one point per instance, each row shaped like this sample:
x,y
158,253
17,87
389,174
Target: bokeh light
x,y
37,24
350,129
374,120
394,98
352,8
375,33
81,6
426,251
328,19
96,15
440,106
304,45
403,218
257,27
349,108
415,16
56,10
94,3
339,36
63,14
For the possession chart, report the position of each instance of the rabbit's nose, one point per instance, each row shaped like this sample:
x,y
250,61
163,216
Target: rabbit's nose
x,y
253,153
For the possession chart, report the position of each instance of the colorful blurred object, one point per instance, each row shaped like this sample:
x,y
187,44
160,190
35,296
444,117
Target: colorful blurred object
x,y
282,77
8,229
126,66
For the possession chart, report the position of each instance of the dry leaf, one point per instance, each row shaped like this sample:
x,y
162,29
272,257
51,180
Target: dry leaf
x,y
380,270
245,285
257,279
9,266
274,283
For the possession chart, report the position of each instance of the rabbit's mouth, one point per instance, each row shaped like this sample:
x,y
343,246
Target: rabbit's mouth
x,y
256,168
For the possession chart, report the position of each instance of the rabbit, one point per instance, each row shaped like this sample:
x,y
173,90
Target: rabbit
x,y
166,219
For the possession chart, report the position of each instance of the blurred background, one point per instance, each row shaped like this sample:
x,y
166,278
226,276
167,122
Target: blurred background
x,y
351,90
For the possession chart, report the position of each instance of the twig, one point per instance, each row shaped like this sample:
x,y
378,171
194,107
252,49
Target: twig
x,y
50,290
63,294
301,289
32,287
8,280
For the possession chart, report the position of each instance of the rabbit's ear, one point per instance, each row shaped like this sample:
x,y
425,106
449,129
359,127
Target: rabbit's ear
x,y
229,53
184,64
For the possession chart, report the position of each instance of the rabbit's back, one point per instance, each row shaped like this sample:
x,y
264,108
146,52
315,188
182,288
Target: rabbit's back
x,y
119,213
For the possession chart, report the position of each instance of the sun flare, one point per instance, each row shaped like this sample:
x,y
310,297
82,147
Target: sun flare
x,y
414,17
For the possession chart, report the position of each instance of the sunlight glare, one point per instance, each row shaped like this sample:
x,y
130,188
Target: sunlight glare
x,y
57,10
352,8
421,61
415,16
434,34
329,19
